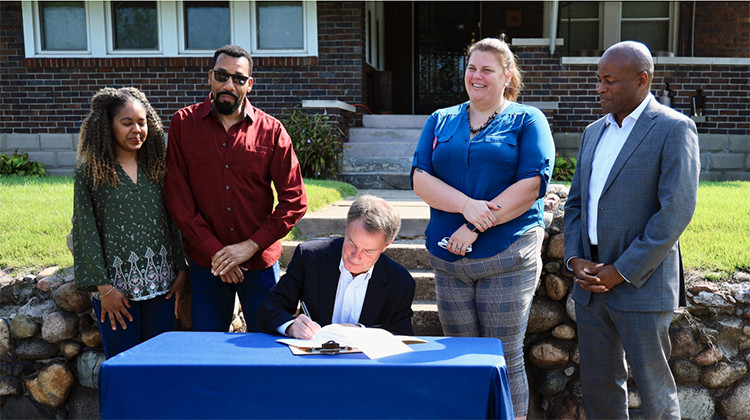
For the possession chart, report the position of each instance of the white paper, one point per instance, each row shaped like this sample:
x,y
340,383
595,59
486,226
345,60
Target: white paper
x,y
373,342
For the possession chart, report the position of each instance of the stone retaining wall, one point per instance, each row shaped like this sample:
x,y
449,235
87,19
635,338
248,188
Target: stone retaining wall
x,y
50,348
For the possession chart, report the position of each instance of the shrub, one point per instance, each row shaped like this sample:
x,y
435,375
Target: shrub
x,y
564,168
317,143
20,165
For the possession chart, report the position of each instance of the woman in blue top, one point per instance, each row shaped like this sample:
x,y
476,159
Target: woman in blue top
x,y
483,167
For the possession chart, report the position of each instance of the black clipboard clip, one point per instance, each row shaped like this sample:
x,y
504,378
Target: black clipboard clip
x,y
329,347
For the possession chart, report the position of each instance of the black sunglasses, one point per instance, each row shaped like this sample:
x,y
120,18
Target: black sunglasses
x,y
222,76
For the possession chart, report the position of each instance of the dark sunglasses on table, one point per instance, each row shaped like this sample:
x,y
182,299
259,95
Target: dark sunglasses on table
x,y
222,76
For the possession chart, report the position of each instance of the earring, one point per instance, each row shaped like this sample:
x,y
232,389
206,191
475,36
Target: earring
x,y
506,83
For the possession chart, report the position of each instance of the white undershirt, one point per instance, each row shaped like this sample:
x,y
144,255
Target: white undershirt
x,y
607,150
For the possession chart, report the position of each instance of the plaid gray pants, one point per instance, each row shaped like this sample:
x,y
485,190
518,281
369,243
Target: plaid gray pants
x,y
491,297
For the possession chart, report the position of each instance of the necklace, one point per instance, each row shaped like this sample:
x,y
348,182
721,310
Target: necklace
x,y
486,123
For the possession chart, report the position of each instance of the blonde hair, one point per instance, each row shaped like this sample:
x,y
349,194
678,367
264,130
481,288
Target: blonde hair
x,y
501,50
97,154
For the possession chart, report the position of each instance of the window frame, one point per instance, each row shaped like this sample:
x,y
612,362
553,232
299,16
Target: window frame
x,y
171,32
37,32
610,17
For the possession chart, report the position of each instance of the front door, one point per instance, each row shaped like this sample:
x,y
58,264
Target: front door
x,y
443,31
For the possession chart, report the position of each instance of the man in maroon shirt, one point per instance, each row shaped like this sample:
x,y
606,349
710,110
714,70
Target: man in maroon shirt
x,y
222,158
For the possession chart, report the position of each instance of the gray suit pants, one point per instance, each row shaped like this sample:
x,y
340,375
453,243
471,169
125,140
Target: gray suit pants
x,y
605,336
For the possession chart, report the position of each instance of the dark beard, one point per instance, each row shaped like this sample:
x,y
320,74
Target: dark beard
x,y
225,108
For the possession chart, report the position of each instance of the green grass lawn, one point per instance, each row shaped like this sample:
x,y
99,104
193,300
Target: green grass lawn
x,y
717,239
35,218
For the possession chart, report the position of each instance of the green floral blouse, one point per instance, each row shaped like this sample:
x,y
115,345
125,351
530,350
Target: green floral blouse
x,y
123,236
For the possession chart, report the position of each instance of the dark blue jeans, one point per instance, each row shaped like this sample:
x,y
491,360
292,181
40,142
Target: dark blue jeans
x,y
213,300
150,318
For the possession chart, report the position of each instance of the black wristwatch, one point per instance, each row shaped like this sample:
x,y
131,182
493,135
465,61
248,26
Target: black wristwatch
x,y
472,227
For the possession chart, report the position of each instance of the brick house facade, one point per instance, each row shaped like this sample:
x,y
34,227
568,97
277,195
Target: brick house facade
x,y
43,100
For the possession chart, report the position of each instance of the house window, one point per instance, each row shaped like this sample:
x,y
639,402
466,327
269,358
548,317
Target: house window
x,y
280,25
589,27
62,25
579,26
647,22
135,25
168,28
207,24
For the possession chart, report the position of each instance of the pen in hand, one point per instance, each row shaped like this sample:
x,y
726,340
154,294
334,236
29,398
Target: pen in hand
x,y
304,309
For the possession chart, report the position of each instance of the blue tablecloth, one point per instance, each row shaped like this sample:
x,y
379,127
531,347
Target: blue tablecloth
x,y
227,375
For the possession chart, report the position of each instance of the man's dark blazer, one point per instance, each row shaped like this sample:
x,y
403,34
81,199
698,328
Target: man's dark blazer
x,y
313,276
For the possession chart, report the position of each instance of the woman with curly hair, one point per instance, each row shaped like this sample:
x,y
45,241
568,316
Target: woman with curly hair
x,y
126,249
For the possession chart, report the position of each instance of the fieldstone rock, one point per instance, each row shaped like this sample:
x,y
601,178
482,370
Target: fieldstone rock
x,y
9,386
570,307
555,247
16,369
685,371
88,366
35,349
544,315
86,320
552,267
68,297
550,382
549,353
684,343
634,399
708,335
722,374
47,272
59,325
575,355
703,286
742,294
83,403
18,292
52,384
47,285
744,344
70,349
555,287
736,402
23,326
695,402
6,340
91,336
706,302
37,308
21,408
566,331
709,356
730,331
565,407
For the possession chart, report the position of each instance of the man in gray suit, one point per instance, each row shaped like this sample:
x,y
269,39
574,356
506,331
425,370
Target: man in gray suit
x,y
633,193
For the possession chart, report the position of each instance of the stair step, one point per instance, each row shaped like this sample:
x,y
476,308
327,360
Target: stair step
x,y
426,321
380,149
394,121
379,180
384,135
375,164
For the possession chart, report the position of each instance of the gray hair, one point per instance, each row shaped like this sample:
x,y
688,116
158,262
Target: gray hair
x,y
637,53
376,215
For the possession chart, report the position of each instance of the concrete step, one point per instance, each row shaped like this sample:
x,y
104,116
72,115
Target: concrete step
x,y
413,256
394,121
377,180
375,164
331,221
426,320
381,149
384,135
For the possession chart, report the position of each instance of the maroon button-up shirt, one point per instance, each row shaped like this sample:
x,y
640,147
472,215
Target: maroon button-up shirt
x,y
218,185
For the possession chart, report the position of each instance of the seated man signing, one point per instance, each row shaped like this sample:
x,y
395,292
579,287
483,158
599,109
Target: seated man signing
x,y
346,280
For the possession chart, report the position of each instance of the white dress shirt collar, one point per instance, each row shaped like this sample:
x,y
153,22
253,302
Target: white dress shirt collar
x,y
350,295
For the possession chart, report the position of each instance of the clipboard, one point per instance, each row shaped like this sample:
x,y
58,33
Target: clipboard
x,y
308,351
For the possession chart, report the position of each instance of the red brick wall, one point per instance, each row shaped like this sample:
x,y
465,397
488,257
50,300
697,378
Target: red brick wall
x,y
726,90
722,28
52,95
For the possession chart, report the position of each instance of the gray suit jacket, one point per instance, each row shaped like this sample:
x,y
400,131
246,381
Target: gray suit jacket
x,y
647,201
